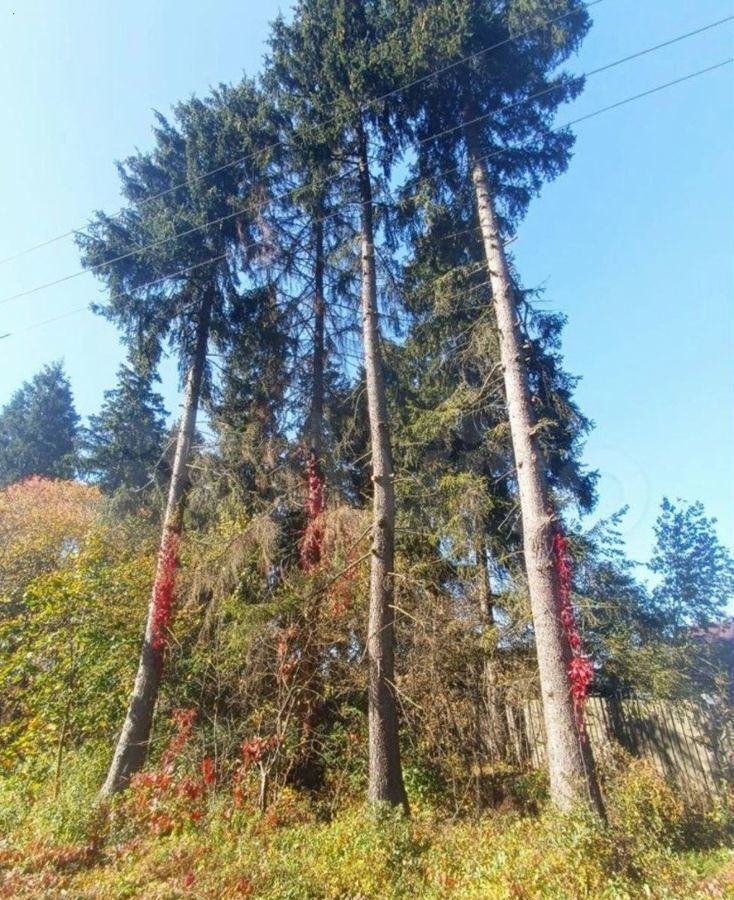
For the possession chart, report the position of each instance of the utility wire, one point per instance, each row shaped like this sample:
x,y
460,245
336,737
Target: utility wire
x,y
584,75
365,105
261,205
583,118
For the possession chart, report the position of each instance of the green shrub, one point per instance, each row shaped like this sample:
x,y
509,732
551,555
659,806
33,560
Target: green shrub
x,y
31,810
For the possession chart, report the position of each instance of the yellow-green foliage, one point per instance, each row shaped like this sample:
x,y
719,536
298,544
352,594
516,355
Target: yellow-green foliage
x,y
290,854
70,623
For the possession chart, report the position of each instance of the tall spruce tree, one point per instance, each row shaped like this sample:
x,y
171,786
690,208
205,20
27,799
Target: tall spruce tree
x,y
38,428
199,236
125,442
349,53
492,119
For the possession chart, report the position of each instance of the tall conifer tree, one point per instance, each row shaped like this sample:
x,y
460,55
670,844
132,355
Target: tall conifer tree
x,y
346,50
38,428
125,442
494,115
200,235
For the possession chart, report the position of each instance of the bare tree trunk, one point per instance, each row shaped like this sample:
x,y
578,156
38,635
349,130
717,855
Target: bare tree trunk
x,y
308,770
132,745
316,413
385,772
572,777
486,603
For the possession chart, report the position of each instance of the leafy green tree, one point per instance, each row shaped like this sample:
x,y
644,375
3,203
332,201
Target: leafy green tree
x,y
124,443
659,640
695,570
64,647
38,428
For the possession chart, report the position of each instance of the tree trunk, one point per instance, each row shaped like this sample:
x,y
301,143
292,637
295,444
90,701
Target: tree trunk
x,y
385,772
308,770
572,777
316,413
486,603
132,745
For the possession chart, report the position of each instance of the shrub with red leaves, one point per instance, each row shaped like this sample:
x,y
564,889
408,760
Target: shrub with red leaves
x,y
164,800
164,589
207,770
184,719
255,749
580,670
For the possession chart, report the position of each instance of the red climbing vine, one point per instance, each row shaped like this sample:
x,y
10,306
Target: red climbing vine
x,y
164,590
313,536
287,652
580,670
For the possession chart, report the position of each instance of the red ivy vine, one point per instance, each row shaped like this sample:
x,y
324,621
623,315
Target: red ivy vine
x,y
164,589
166,799
580,670
313,536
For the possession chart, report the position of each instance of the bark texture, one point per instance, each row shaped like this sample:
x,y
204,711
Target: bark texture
x,y
385,772
308,770
132,745
572,777
316,413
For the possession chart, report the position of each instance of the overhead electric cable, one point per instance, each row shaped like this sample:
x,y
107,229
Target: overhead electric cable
x,y
161,241
583,118
362,106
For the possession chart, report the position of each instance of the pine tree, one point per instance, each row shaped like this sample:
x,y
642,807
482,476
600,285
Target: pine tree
x,y
346,52
125,442
38,429
180,290
492,118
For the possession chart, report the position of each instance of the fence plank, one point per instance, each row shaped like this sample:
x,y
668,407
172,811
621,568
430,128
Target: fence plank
x,y
687,743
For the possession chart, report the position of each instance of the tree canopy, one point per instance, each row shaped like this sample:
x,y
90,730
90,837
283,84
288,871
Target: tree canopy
x,y
38,428
125,442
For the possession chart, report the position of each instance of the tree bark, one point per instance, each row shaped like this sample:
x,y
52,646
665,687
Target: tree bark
x,y
486,604
316,412
385,772
132,745
308,771
572,777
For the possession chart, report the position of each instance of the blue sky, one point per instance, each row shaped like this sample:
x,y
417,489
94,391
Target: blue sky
x,y
635,243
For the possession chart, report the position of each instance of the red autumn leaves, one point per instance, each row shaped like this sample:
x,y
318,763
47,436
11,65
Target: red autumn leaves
x,y
580,670
164,589
313,536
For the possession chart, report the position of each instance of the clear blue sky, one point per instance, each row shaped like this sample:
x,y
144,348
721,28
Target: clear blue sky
x,y
635,243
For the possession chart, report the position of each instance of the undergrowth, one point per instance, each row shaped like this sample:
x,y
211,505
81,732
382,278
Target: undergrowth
x,y
151,844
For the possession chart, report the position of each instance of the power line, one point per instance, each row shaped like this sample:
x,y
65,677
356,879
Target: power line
x,y
583,118
561,127
161,241
585,75
660,87
362,106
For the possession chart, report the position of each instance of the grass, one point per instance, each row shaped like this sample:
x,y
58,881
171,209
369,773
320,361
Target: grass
x,y
651,848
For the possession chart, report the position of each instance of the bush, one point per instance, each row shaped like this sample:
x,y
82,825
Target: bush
x,y
289,852
31,810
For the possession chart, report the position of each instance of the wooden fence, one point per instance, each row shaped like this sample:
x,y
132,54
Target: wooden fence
x,y
690,744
